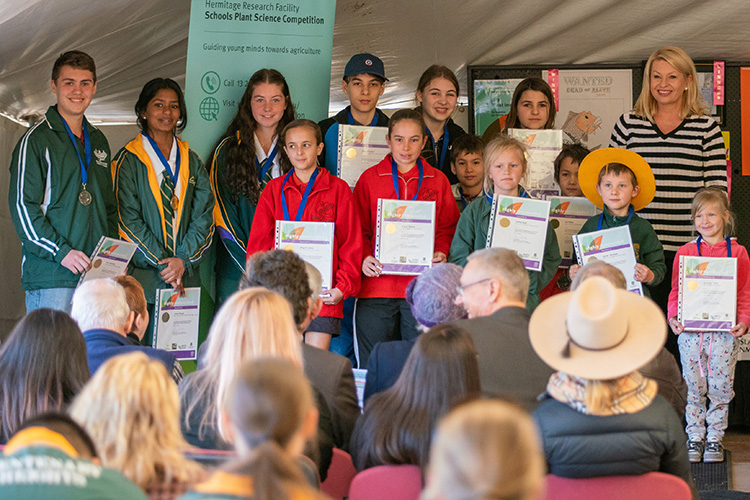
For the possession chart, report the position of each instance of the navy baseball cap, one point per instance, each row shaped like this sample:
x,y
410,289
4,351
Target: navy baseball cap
x,y
365,63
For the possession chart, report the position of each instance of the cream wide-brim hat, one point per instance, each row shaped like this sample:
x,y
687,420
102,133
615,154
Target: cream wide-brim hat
x,y
597,332
592,164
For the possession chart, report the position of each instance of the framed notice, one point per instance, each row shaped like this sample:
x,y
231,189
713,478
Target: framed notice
x,y
614,246
707,293
312,241
176,322
520,224
359,148
405,237
492,99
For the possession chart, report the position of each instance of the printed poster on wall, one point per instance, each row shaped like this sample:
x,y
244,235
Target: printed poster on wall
x,y
591,102
492,99
229,41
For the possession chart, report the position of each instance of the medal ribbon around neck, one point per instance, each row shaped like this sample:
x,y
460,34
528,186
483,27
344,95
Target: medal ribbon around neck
x,y
444,152
394,172
352,121
87,146
729,245
164,161
305,195
631,211
267,163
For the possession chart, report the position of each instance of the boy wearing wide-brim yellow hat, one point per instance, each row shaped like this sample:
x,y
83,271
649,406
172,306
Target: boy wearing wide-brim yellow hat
x,y
621,182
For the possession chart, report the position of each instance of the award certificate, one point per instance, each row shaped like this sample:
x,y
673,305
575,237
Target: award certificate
x,y
614,246
566,216
543,147
109,259
176,322
312,241
520,224
405,236
707,293
359,148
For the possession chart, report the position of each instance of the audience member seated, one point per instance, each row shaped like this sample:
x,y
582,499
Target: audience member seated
x,y
432,297
269,412
485,449
287,274
397,424
101,309
493,290
131,409
42,367
252,323
663,368
52,457
136,299
601,416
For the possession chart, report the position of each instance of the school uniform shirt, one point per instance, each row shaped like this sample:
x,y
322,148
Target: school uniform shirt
x,y
648,249
432,152
377,182
330,128
471,234
45,182
718,250
330,200
137,178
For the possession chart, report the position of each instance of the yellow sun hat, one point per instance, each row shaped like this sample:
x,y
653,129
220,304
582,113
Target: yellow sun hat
x,y
588,174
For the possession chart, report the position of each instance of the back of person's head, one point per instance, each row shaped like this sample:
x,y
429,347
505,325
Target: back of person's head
x,y
485,449
507,267
131,409
43,365
432,295
137,304
315,280
254,322
76,60
599,268
272,411
100,303
64,426
441,371
283,272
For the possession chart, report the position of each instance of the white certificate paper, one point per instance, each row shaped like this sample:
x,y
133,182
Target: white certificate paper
x,y
176,322
520,224
707,293
109,259
567,215
405,238
359,148
543,147
312,241
614,246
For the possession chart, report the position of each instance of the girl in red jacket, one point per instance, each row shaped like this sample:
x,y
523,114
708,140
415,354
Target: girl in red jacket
x,y
708,358
382,311
308,193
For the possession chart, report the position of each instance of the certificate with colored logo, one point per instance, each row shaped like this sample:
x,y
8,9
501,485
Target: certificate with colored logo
x,y
566,216
707,293
520,224
176,322
312,241
613,246
543,146
359,148
405,236
109,259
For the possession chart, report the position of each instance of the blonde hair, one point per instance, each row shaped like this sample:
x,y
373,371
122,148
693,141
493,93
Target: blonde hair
x,y
692,99
495,148
602,394
713,195
486,449
131,409
254,322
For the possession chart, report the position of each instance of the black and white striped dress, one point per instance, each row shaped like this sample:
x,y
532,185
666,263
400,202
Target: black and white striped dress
x,y
688,158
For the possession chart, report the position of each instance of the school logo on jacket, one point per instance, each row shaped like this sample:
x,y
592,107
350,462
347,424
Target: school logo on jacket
x,y
325,212
101,158
430,195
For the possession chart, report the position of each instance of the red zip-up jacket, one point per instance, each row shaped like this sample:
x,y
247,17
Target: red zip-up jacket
x,y
377,182
331,200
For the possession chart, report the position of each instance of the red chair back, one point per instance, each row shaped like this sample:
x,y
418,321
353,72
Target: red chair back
x,y
340,475
651,485
394,482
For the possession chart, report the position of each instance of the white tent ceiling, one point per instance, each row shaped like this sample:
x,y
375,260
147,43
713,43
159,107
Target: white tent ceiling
x,y
135,40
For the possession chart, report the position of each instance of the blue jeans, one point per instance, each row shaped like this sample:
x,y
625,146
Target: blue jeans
x,y
52,298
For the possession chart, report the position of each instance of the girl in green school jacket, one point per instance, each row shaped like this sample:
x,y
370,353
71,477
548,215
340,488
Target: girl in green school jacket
x,y
164,199
504,166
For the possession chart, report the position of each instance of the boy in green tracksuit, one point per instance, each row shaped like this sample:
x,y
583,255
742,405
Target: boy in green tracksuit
x,y
621,182
60,197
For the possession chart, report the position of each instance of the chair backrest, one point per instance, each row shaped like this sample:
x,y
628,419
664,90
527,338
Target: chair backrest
x,y
651,485
340,475
397,482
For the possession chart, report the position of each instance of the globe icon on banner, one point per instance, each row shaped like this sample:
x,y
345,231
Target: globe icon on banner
x,y
209,109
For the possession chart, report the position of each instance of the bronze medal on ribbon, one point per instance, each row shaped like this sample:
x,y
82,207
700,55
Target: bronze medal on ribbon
x,y
84,197
175,203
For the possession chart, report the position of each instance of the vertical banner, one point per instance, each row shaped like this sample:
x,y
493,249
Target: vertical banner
x,y
230,40
745,118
